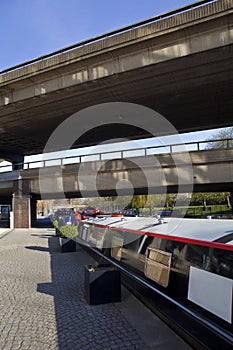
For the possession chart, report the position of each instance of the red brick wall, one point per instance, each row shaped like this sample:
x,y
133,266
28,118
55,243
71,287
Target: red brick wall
x,y
21,208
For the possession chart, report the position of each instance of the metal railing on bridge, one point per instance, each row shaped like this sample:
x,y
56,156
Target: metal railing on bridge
x,y
196,146
110,34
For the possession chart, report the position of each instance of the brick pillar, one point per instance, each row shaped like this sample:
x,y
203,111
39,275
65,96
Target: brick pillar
x,y
22,204
22,211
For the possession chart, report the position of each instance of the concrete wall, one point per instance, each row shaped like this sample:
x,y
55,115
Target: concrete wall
x,y
202,169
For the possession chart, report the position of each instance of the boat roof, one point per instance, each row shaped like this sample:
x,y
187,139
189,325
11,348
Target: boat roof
x,y
214,230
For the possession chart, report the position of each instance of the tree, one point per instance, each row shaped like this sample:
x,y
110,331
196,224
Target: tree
x,y
224,139
200,198
155,200
139,201
171,200
205,198
220,198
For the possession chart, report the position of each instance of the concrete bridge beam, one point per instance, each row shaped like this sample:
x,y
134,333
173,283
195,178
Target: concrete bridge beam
x,y
17,160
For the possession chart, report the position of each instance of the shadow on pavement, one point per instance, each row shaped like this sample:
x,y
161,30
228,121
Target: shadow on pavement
x,y
79,325
40,236
42,249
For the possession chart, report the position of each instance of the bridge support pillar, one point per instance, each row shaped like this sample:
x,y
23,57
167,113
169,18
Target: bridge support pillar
x,y
23,205
22,212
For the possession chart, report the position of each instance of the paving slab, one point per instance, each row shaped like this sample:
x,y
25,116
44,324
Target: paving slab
x,y
4,231
42,304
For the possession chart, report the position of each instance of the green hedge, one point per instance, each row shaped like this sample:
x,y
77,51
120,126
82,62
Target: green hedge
x,y
68,231
55,224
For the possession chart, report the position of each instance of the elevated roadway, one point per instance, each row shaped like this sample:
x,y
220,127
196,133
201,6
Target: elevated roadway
x,y
179,64
209,170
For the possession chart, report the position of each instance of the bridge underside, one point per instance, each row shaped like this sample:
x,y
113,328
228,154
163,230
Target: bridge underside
x,y
193,93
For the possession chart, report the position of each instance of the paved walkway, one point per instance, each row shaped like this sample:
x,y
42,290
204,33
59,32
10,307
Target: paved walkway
x,y
4,231
42,303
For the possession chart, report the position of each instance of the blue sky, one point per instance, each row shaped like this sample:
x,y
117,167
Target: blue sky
x,y
31,28
161,141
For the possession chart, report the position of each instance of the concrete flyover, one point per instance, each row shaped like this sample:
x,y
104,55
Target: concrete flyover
x,y
179,65
207,170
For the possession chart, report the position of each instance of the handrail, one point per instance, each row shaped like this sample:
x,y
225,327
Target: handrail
x,y
109,34
146,151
